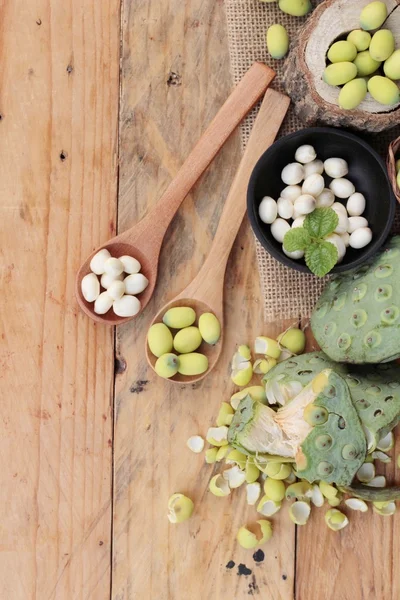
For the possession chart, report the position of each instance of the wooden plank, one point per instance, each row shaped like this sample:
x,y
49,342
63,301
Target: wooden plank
x,y
175,75
58,173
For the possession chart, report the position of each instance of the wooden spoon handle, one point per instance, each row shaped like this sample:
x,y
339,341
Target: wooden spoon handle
x,y
209,280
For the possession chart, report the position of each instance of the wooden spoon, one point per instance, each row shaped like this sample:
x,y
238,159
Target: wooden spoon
x,y
143,241
205,292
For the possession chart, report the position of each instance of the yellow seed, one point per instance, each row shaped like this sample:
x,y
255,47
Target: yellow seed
x,y
384,90
179,317
180,508
392,66
167,365
210,328
342,51
277,41
243,376
365,64
252,472
293,340
211,455
274,489
373,15
361,39
187,340
262,365
193,364
296,8
340,73
225,411
382,45
352,94
159,339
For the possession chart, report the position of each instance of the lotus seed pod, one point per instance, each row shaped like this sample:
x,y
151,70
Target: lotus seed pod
x,y
193,363
293,173
211,456
339,73
365,64
187,340
382,45
293,339
298,222
167,365
325,199
315,415
98,261
335,519
296,8
210,328
268,210
304,205
256,392
295,255
373,15
219,486
252,471
337,241
361,39
267,346
291,192
313,185
159,339
305,154
352,94
361,237
218,436
225,411
285,208
90,287
179,317
336,167
279,228
277,41
253,491
356,204
274,489
384,90
342,51
180,508
391,67
342,188
300,512
356,223
316,166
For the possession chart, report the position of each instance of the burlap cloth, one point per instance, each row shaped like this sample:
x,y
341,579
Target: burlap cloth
x,y
287,294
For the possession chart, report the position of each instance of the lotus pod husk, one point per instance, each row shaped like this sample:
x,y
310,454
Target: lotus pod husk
x,y
357,317
375,390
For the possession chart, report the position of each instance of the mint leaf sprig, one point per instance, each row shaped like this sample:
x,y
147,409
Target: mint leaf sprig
x,y
320,256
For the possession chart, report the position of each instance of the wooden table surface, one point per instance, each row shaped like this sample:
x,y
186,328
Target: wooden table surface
x,y
99,106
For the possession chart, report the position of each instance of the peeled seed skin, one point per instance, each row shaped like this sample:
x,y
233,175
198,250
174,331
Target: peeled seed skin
x,y
340,73
277,41
179,317
384,90
193,364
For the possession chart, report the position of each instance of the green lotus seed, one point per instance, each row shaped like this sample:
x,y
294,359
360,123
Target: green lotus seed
x,y
384,90
349,452
293,340
324,469
192,364
315,415
342,51
365,64
159,339
274,489
323,442
352,94
392,68
340,73
277,41
167,365
361,39
373,15
187,340
296,8
382,45
179,317
210,328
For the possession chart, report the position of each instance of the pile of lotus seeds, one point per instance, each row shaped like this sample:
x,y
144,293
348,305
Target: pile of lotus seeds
x,y
268,482
120,278
306,191
363,63
187,339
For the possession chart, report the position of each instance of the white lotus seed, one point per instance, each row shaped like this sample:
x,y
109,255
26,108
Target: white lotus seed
x,y
103,303
98,261
305,204
293,173
360,237
342,188
298,222
285,208
313,185
305,154
90,287
343,223
291,192
135,283
106,279
268,210
316,166
127,306
325,199
356,223
279,228
113,267
296,255
337,241
346,238
336,167
339,208
356,204
131,265
116,290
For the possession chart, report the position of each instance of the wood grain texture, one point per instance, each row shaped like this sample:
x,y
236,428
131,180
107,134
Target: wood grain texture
x,y
59,107
175,75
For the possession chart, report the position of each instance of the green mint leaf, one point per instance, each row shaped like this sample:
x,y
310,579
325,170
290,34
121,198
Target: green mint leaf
x,y
321,222
321,257
296,239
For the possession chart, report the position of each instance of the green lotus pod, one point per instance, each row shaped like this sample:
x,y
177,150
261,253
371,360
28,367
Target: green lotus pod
x,y
372,290
315,415
365,64
340,73
373,15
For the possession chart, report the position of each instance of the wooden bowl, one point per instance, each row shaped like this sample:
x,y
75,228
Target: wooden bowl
x,y
394,149
317,102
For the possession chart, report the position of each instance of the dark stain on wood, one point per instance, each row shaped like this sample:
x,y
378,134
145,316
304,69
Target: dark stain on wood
x,y
138,386
243,570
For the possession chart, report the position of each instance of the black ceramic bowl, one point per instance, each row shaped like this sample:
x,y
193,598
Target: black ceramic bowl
x,y
366,170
